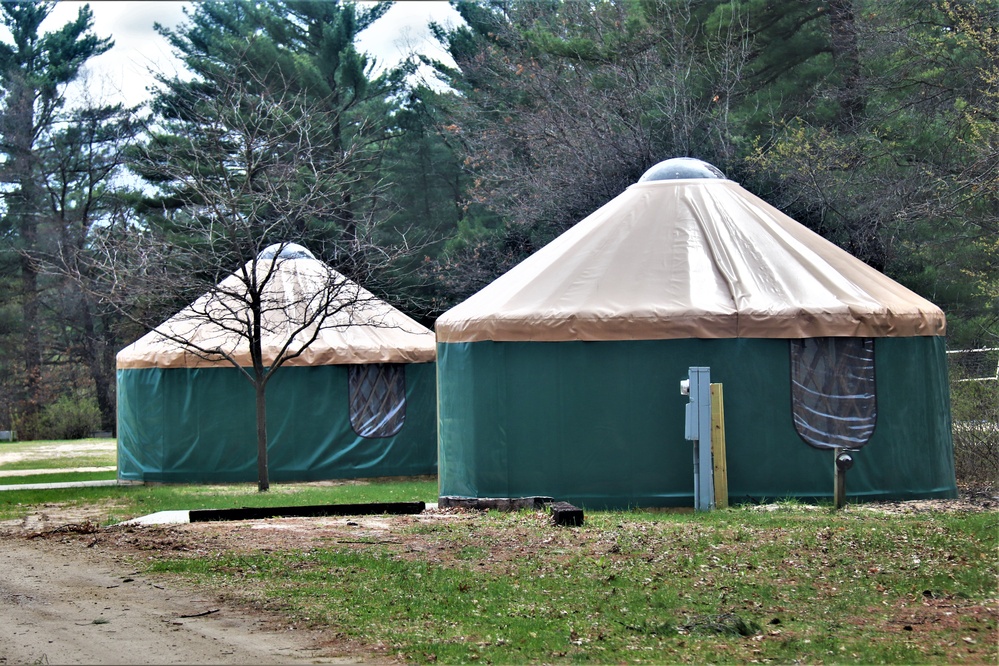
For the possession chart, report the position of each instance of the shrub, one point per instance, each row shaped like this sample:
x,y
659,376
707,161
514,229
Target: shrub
x,y
69,417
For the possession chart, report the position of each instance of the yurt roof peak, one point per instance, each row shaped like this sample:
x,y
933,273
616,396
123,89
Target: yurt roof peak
x,y
687,253
358,326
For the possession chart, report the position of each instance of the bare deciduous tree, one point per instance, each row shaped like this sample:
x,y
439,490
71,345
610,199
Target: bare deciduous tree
x,y
565,108
243,170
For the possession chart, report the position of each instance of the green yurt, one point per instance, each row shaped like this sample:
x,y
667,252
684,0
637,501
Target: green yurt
x,y
561,378
358,401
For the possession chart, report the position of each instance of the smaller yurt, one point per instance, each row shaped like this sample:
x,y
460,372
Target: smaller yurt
x,y
562,377
358,401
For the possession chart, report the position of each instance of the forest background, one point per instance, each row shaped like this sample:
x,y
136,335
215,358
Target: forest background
x,y
873,122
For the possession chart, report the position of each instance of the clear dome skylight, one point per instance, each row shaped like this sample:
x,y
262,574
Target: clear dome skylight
x,y
285,251
680,168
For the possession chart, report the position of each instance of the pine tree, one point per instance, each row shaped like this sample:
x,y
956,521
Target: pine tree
x,y
34,70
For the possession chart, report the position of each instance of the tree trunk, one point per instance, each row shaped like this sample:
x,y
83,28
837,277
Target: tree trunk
x,y
263,482
111,390
846,55
26,210
32,348
100,363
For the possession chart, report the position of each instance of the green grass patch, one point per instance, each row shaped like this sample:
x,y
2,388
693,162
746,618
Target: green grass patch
x,y
46,454
23,447
58,477
733,586
65,462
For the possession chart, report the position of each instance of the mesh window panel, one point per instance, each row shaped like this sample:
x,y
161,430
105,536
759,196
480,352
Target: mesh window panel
x,y
377,398
833,391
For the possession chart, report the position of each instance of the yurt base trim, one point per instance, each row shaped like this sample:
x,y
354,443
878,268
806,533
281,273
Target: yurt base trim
x,y
687,501
303,477
494,503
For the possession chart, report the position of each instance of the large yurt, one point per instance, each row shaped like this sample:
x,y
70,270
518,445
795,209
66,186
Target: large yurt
x,y
562,377
354,399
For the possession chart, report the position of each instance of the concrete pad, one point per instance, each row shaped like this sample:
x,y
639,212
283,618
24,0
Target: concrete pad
x,y
161,518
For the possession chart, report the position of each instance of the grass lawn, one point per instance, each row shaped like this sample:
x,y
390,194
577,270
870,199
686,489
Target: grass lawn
x,y
56,464
58,477
738,585
56,455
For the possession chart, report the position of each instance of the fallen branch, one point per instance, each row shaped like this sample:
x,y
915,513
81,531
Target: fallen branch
x,y
87,527
201,614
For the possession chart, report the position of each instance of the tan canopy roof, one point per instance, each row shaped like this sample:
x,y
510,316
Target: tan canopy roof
x,y
689,258
359,329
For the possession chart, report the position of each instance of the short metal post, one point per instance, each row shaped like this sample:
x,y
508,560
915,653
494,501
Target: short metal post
x,y
842,461
839,492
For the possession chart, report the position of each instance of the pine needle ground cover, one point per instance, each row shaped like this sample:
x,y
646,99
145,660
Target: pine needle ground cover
x,y
793,583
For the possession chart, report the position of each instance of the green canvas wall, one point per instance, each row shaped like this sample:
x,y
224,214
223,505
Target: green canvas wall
x,y
197,425
600,424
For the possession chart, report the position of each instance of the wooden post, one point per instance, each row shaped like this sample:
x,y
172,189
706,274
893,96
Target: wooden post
x,y
718,446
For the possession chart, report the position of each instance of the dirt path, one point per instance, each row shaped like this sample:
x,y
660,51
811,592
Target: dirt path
x,y
62,603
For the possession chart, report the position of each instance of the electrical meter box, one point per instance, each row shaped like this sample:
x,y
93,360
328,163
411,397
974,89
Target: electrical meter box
x,y
697,429
690,422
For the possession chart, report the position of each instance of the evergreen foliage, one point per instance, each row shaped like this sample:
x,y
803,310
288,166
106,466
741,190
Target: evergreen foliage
x,y
35,67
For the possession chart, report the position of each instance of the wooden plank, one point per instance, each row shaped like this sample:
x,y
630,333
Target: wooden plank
x,y
566,514
258,513
718,446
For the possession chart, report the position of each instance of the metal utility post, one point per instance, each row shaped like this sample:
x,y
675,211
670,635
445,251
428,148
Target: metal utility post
x,y
697,427
843,461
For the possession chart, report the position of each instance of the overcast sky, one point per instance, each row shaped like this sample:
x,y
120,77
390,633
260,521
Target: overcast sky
x,y
123,72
